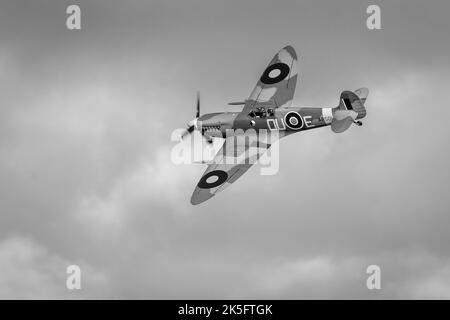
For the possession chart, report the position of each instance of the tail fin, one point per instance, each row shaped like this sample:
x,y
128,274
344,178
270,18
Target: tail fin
x,y
351,108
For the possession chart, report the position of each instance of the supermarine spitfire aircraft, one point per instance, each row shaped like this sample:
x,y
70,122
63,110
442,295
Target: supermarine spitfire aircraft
x,y
267,108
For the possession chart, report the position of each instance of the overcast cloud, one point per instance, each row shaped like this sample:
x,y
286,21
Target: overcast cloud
x,y
86,176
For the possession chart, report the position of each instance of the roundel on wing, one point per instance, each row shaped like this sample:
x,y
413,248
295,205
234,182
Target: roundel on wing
x,y
293,120
212,179
275,73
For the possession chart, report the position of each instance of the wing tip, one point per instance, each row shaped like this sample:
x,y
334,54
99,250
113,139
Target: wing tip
x,y
290,49
198,197
195,202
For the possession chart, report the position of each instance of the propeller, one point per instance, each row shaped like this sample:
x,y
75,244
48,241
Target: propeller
x,y
191,124
198,105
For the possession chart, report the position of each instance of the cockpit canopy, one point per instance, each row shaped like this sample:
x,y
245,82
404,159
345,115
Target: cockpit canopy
x,y
262,112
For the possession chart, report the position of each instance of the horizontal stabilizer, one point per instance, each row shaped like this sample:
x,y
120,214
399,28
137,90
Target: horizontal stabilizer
x,y
338,126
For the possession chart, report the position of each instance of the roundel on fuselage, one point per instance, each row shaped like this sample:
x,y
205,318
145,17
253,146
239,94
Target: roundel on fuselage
x,y
293,120
275,73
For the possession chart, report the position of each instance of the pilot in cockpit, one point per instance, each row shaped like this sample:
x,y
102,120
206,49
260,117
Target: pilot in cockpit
x,y
260,112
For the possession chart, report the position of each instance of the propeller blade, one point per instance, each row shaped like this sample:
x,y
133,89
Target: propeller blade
x,y
198,105
185,133
189,130
192,123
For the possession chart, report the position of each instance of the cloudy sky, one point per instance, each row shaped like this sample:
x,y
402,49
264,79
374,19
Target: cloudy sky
x,y
86,176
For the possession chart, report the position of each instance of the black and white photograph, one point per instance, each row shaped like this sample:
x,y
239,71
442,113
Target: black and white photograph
x,y
224,150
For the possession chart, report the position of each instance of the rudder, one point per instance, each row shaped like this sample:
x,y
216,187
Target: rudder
x,y
350,101
351,108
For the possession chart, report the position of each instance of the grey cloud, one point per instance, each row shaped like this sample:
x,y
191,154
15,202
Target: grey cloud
x,y
85,171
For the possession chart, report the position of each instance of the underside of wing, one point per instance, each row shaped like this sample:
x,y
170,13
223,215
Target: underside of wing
x,y
235,157
276,86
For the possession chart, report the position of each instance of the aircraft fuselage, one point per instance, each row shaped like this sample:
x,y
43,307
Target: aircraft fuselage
x,y
287,120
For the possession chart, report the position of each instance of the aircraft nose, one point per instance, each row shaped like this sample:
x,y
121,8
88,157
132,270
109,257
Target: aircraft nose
x,y
193,123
